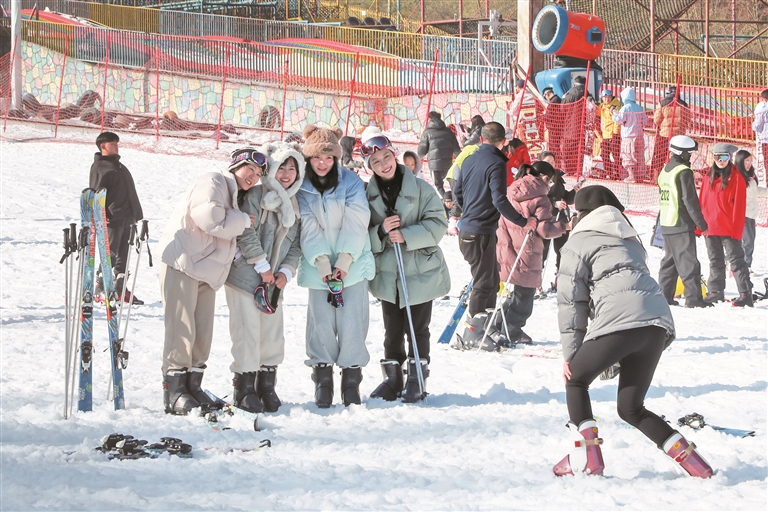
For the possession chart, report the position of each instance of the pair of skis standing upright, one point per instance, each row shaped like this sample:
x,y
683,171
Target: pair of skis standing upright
x,y
79,256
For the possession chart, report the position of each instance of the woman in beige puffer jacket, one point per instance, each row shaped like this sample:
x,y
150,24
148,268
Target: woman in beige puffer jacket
x,y
198,247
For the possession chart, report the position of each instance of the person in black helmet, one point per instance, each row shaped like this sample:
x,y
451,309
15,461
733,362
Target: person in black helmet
x,y
679,216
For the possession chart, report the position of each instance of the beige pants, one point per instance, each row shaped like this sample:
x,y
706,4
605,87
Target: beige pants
x,y
188,305
257,338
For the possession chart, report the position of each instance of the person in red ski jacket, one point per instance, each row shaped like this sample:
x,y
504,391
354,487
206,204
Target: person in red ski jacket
x,y
517,152
723,199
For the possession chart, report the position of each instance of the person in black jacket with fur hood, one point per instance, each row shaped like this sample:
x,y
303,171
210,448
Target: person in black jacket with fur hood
x,y
123,206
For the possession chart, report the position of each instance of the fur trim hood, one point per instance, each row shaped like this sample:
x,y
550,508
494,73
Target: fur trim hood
x,y
278,198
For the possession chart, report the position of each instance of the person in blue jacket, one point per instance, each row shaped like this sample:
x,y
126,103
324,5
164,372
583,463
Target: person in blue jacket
x,y
336,264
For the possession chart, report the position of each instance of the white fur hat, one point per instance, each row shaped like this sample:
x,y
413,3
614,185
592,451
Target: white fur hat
x,y
369,133
279,197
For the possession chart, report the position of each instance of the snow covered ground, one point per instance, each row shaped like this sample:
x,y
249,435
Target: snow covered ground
x,y
487,438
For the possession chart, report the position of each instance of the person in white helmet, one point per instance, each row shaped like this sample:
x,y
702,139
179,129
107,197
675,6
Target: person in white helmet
x,y
679,216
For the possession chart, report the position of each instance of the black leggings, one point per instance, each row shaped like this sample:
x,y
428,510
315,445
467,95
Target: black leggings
x,y
396,328
638,351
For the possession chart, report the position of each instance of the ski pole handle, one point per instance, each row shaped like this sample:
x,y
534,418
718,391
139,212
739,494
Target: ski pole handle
x,y
132,235
66,245
84,234
144,230
73,237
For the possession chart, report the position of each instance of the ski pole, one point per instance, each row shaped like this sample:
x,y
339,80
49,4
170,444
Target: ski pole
x,y
67,342
509,279
80,245
417,361
75,315
143,236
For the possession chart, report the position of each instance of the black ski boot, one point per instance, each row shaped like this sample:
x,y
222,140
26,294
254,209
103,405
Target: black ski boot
x,y
350,385
177,398
412,392
392,387
266,388
245,392
194,382
322,375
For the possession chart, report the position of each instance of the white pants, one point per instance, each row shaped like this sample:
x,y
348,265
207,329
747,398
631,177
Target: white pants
x,y
257,338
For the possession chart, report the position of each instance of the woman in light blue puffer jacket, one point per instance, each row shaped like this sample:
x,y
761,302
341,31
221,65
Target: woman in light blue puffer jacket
x,y
334,247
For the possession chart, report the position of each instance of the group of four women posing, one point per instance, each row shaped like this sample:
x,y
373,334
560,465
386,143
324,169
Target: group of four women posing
x,y
275,214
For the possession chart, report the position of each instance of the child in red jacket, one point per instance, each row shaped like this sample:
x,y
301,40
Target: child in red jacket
x,y
723,199
517,152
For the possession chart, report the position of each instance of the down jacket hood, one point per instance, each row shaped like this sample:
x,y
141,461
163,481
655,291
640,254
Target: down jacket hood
x,y
628,94
279,197
607,220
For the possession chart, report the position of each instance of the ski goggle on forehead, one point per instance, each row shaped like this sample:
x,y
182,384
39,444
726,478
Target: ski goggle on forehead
x,y
722,157
250,156
375,144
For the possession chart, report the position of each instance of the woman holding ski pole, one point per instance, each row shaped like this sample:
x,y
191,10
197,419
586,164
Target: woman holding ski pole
x,y
610,310
528,195
407,223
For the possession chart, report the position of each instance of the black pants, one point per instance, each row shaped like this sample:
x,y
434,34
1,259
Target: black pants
x,y
438,179
396,327
517,310
557,244
118,232
480,252
680,259
638,351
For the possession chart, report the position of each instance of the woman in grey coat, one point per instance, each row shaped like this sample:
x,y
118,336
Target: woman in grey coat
x,y
265,262
611,310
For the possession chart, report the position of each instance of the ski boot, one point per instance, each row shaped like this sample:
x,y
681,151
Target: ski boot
x,y
194,381
177,398
412,393
322,375
686,455
713,297
474,328
392,387
350,385
587,456
745,299
266,388
245,396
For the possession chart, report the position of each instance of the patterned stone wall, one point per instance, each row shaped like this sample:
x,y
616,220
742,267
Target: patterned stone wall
x,y
136,91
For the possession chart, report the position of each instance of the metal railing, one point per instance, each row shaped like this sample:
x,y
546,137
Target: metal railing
x,y
617,64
